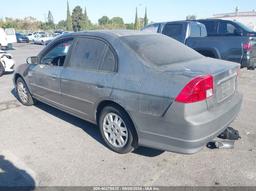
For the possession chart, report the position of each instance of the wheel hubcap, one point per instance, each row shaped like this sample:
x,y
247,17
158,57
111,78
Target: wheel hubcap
x,y
115,130
22,92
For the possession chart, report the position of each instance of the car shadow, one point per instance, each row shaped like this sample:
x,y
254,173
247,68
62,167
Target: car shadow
x,y
12,178
87,127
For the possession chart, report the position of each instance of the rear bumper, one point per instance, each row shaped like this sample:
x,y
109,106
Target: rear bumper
x,y
188,134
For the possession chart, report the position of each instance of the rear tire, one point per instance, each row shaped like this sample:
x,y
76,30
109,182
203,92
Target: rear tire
x,y
2,70
23,93
117,130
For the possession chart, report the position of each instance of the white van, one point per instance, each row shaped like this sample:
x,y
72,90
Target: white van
x,y
11,35
3,39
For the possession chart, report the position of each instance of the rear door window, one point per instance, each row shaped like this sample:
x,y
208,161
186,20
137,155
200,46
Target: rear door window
x,y
173,30
87,54
195,30
211,27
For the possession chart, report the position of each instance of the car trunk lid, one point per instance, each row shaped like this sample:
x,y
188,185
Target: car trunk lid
x,y
224,74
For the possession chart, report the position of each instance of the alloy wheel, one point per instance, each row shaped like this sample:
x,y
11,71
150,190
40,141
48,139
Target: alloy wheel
x,y
115,130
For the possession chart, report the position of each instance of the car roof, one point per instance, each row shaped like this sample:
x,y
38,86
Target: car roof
x,y
181,21
111,33
211,20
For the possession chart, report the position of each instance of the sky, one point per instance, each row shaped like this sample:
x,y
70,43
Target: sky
x,y
158,10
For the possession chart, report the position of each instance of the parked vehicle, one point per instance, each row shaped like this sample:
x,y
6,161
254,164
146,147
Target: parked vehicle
x,y
3,39
21,38
220,39
6,63
11,35
236,42
31,36
42,39
141,89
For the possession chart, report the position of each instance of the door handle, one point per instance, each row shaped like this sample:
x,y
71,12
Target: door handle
x,y
99,86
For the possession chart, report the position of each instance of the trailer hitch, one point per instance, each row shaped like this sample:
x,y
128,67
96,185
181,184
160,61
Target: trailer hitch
x,y
226,140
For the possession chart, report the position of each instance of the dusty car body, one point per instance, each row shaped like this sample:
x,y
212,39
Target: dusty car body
x,y
147,89
7,63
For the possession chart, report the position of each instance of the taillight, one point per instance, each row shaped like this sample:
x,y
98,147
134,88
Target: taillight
x,y
247,47
198,89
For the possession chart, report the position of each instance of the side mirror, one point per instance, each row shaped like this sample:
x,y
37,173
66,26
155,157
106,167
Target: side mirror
x,y
32,60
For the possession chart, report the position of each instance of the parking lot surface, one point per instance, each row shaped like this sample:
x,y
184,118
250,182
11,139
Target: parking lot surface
x,y
42,146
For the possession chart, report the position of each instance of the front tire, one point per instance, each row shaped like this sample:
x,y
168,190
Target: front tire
x,y
24,95
117,130
1,69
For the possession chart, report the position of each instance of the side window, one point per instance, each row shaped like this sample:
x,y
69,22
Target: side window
x,y
195,30
109,61
211,27
173,30
88,54
56,56
151,28
227,28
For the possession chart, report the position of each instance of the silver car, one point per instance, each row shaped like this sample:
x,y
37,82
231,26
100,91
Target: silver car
x,y
140,89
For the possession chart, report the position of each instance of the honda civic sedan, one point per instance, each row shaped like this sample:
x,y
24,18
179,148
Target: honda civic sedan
x,y
140,89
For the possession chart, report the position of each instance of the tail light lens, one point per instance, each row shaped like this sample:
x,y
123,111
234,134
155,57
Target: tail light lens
x,y
247,47
198,89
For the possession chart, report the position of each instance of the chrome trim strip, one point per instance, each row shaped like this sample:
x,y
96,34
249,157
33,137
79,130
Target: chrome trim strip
x,y
50,90
64,106
61,93
80,99
226,79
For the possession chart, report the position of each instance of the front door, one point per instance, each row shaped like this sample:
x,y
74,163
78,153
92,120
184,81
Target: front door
x,y
45,76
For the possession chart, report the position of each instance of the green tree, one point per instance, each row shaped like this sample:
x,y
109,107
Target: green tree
x,y
87,20
62,25
117,22
129,26
50,18
136,23
78,19
146,18
103,20
191,17
69,19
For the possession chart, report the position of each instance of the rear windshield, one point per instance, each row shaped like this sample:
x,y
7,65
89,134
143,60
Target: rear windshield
x,y
160,50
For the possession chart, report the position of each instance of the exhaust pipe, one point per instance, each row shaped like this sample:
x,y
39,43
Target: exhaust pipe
x,y
221,144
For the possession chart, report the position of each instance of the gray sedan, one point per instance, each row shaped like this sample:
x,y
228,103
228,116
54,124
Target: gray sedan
x,y
140,89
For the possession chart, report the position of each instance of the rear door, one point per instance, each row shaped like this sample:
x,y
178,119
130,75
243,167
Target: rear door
x,y
88,76
233,50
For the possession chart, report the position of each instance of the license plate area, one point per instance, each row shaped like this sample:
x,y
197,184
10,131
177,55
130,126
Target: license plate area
x,y
225,89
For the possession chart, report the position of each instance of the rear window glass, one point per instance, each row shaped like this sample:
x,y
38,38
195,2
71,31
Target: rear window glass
x,y
160,50
88,54
151,28
211,27
173,30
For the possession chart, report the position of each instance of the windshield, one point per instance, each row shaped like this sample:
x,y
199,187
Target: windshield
x,y
244,27
160,50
